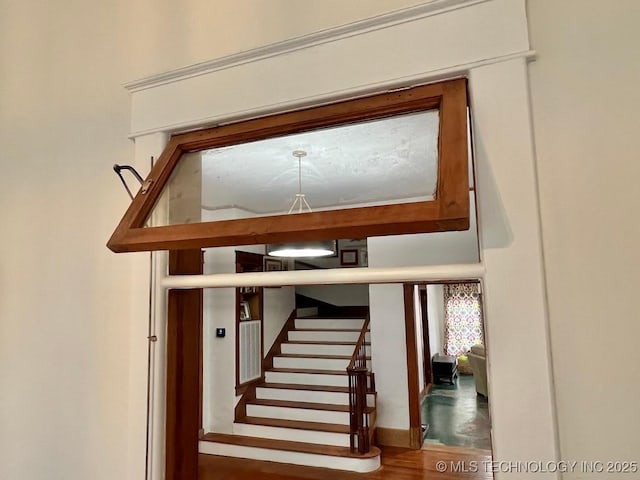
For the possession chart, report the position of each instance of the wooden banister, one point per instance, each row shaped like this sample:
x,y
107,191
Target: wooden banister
x,y
361,383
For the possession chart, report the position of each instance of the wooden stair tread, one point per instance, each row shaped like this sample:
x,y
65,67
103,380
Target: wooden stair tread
x,y
287,445
311,355
306,405
296,386
297,424
319,356
308,370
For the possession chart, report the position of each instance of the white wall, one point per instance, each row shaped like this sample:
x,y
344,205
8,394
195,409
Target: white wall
x,y
389,355
219,374
278,305
175,34
219,353
443,248
64,120
435,312
387,311
66,302
585,100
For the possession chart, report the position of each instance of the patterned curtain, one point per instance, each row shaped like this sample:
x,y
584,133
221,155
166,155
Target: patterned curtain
x,y
463,318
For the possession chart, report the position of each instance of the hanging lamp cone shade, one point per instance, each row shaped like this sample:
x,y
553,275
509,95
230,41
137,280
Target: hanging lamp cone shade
x,y
302,249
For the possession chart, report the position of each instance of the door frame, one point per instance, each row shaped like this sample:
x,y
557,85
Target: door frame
x,y
413,387
184,369
415,391
508,210
428,372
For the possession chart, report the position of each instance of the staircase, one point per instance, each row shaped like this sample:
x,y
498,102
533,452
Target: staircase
x,y
300,414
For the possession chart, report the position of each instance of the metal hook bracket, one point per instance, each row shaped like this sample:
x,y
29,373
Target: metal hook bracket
x,y
118,169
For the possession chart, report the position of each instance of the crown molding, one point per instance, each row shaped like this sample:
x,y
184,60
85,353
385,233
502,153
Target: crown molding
x,y
422,78
409,14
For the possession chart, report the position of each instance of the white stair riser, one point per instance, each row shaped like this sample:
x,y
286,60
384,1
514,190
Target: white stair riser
x,y
328,336
296,458
312,363
301,414
320,349
330,323
334,398
292,434
307,379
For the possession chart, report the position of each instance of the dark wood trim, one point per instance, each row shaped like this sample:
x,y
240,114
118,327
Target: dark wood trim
x,y
245,259
413,392
424,305
449,211
184,370
453,176
418,217
326,407
416,438
241,389
248,394
299,424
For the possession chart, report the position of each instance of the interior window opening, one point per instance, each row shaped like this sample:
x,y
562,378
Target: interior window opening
x,y
381,182
318,364
389,164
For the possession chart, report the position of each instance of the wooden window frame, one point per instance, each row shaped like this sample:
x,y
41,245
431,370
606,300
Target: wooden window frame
x,y
448,211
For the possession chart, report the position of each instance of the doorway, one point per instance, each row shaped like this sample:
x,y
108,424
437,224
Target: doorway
x,y
445,323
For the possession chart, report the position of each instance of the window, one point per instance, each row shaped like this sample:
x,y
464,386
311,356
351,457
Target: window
x,y
463,318
218,170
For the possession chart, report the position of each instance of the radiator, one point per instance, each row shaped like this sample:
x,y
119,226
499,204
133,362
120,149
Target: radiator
x,y
250,358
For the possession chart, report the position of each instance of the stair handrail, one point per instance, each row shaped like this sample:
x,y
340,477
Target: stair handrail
x,y
361,383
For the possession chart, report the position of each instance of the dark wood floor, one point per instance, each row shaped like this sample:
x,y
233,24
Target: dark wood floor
x,y
397,464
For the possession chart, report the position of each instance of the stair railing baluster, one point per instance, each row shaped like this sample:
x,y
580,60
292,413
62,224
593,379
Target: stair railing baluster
x,y
361,382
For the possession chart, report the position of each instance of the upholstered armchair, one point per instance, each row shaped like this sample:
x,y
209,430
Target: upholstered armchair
x,y
478,363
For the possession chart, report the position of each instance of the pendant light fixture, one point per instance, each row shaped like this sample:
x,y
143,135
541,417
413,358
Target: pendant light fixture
x,y
301,249
300,199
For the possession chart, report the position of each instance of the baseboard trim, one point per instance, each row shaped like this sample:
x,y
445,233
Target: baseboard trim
x,y
396,437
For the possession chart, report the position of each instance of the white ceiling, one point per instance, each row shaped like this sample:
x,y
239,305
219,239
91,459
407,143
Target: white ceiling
x,y
388,159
